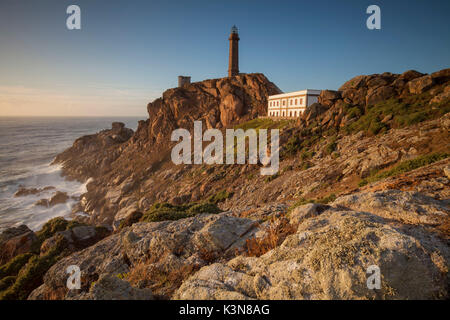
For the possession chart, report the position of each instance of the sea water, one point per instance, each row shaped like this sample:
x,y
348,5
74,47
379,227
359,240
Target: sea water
x,y
27,147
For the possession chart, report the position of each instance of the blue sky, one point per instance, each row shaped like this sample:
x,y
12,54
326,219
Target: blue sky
x,y
128,52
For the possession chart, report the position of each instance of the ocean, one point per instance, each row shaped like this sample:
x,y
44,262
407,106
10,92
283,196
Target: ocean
x,y
27,147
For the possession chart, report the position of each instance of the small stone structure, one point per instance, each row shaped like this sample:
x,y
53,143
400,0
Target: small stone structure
x,y
183,81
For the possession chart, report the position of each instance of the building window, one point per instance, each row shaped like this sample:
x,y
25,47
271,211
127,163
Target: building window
x,y
296,101
301,101
278,103
291,102
284,114
295,113
290,114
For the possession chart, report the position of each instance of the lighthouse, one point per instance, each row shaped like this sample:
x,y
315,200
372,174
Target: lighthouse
x,y
233,63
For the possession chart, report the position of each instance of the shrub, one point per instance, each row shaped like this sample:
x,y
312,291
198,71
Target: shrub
x,y
203,208
55,225
31,275
354,112
327,199
7,282
13,267
302,201
404,166
293,145
220,196
406,111
331,147
167,211
275,233
272,177
264,123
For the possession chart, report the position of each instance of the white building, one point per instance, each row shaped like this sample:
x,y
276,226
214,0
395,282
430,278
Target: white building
x,y
291,104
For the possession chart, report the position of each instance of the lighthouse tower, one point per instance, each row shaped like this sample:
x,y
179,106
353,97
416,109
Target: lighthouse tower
x,y
233,63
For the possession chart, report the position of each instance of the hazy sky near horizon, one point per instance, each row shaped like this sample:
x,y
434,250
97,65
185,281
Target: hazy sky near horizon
x,y
128,52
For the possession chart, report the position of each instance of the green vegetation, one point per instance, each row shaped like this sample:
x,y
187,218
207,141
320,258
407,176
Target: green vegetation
x,y
7,282
264,123
302,142
55,225
302,201
25,272
293,145
400,112
167,211
272,177
220,196
354,112
331,147
404,166
13,267
31,275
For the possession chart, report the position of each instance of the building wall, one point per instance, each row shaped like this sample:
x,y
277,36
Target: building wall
x,y
291,104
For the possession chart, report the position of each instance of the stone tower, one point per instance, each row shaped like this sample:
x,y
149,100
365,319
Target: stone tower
x,y
233,63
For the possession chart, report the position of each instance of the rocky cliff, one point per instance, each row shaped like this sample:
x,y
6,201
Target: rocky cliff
x,y
363,180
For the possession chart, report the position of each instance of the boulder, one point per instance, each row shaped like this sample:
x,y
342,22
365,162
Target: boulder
x,y
441,76
131,219
441,97
76,238
58,198
111,287
231,109
407,207
410,75
22,191
308,210
379,94
327,97
354,83
330,257
355,96
15,241
420,85
447,171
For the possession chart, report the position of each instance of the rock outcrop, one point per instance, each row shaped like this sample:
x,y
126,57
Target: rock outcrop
x,y
16,241
363,182
166,246
328,258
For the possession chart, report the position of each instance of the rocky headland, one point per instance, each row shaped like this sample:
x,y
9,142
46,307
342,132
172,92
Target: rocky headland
x,y
364,180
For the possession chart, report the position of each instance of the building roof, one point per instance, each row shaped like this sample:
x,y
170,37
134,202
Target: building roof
x,y
295,93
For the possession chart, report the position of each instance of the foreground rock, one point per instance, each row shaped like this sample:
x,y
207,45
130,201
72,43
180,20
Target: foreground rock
x,y
15,241
406,207
110,287
164,248
26,256
327,258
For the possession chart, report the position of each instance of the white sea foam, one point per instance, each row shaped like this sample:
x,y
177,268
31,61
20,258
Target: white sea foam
x,y
27,147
